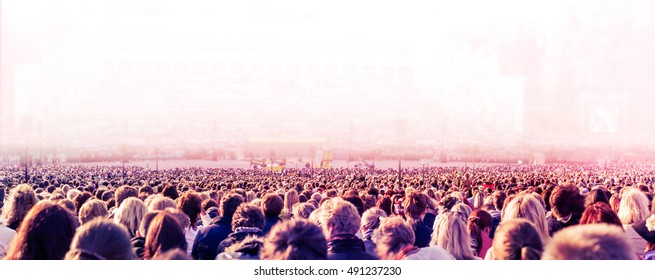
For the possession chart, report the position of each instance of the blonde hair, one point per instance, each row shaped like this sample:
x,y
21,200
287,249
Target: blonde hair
x,y
633,207
21,199
290,198
589,242
372,217
130,213
517,239
161,203
450,233
339,217
303,210
526,206
91,209
393,235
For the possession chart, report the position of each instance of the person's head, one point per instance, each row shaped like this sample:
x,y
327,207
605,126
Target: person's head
x,y
462,209
160,203
599,212
339,217
20,200
371,218
91,209
393,235
248,215
566,200
303,210
589,242
190,204
499,200
295,239
450,233
164,233
355,201
415,205
123,192
170,191
145,223
385,204
229,204
272,205
479,223
130,213
525,206
290,198
45,234
101,239
80,199
596,195
517,239
633,206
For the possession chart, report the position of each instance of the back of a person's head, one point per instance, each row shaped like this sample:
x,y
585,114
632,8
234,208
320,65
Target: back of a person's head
x,y
565,200
303,210
248,215
517,239
596,195
130,213
526,206
272,205
633,206
295,239
170,191
451,234
599,212
393,235
45,233
190,203
101,239
355,201
91,209
145,223
415,205
164,233
20,200
589,242
158,203
339,217
124,192
80,199
229,204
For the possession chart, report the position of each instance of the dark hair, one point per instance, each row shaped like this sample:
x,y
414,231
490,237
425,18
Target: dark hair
x,y
248,215
101,239
80,199
596,195
385,204
499,200
415,204
124,192
45,234
566,199
600,212
357,202
190,204
295,239
164,233
209,203
229,204
477,222
272,205
170,192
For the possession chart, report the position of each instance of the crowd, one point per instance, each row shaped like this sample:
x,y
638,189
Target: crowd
x,y
501,212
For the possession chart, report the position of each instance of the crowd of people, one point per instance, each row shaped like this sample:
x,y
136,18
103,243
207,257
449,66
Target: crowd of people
x,y
499,212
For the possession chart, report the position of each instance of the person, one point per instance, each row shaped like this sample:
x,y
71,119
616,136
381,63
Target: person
x,y
517,239
303,210
567,205
526,206
208,238
295,239
370,222
139,241
415,206
290,199
100,239
646,229
340,222
633,208
272,205
600,212
248,220
45,234
130,213
395,241
190,204
479,226
164,233
21,199
451,235
91,209
589,242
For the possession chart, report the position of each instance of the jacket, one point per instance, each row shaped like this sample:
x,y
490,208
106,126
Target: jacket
x,y
423,234
270,222
208,238
138,246
347,247
237,236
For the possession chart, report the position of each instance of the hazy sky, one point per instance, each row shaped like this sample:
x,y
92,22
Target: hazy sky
x,y
368,73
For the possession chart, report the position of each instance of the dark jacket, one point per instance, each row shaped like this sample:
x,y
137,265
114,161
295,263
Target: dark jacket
x,y
138,246
206,243
269,223
347,247
423,234
554,225
237,236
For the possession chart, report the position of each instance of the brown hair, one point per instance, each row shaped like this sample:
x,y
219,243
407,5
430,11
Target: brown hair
x,y
295,239
164,233
517,239
477,222
599,212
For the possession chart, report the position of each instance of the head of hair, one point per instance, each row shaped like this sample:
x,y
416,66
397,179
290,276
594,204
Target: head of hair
x,y
450,233
385,204
159,203
633,206
272,205
248,215
565,200
478,221
393,235
290,198
499,199
357,202
91,209
68,205
20,200
339,217
145,223
229,204
415,205
295,239
303,210
170,191
45,234
599,212
596,195
517,239
130,213
190,204
463,209
589,242
527,207
101,239
164,233
123,192
372,217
